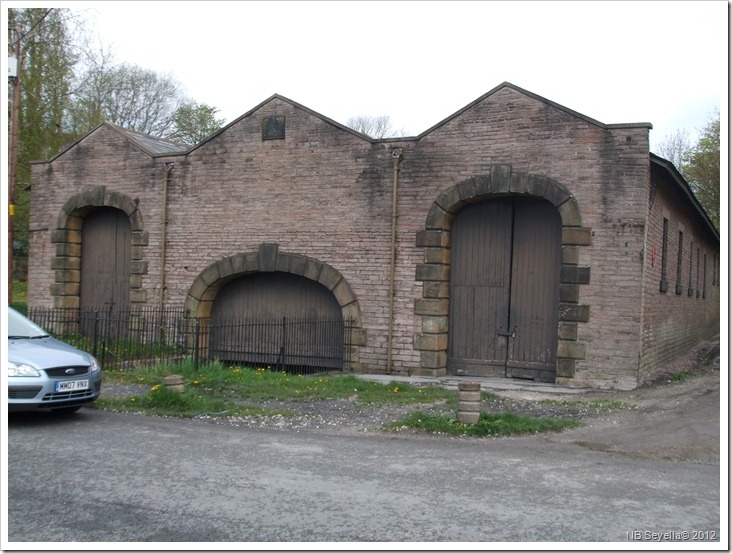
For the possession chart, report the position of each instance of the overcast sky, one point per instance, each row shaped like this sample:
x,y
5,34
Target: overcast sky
x,y
420,61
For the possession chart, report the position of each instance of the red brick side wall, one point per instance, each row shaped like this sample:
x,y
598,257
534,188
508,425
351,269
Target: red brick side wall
x,y
677,319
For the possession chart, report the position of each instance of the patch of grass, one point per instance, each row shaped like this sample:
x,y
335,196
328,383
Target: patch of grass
x,y
489,425
20,296
395,392
680,376
225,391
261,384
120,352
161,401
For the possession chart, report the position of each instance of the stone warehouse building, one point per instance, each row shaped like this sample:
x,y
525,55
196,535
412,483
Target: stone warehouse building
x,y
515,238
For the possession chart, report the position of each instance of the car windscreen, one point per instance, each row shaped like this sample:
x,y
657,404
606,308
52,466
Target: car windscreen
x,y
20,327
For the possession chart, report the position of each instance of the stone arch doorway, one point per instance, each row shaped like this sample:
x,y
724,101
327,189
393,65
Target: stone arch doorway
x,y
504,289
68,238
434,307
223,276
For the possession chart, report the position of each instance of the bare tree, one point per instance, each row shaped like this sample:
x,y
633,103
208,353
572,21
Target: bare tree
x,y
377,127
698,163
676,148
129,96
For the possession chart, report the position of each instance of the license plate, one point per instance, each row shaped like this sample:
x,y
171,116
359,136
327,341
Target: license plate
x,y
68,386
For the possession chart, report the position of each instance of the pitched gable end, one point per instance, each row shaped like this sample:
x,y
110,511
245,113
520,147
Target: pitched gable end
x,y
507,85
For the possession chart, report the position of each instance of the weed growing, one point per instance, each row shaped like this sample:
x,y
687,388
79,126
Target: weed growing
x,y
489,425
261,384
165,402
20,296
227,391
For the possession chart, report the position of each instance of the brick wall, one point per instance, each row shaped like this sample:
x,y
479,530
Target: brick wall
x,y
325,193
101,166
688,310
607,172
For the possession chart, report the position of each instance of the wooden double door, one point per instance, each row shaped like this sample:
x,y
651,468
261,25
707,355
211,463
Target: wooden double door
x,y
104,291
106,243
504,289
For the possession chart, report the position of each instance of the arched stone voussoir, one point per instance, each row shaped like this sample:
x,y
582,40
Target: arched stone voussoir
x,y
120,201
206,285
450,200
226,267
570,213
556,193
439,218
89,198
136,221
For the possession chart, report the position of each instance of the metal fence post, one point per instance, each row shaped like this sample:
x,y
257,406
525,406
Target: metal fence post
x,y
281,357
196,338
96,334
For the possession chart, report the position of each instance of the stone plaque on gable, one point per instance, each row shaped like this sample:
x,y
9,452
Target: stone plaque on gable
x,y
273,127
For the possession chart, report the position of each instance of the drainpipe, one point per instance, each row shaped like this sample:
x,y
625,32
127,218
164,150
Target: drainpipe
x,y
396,156
169,166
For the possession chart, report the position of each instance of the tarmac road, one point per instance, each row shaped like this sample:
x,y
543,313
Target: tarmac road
x,y
118,478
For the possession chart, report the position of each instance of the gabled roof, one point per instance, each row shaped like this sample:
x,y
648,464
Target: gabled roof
x,y
158,146
508,85
684,189
294,105
149,145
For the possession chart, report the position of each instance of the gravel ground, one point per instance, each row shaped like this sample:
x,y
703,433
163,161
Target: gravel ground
x,y
657,393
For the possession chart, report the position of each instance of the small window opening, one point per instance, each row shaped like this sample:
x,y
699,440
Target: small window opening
x,y
691,266
679,263
664,252
698,267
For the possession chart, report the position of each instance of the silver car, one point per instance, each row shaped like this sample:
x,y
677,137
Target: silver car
x,y
45,373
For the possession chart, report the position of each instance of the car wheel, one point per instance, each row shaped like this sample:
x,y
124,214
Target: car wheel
x,y
67,410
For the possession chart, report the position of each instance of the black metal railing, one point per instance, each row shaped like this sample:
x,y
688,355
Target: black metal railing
x,y
121,338
295,344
